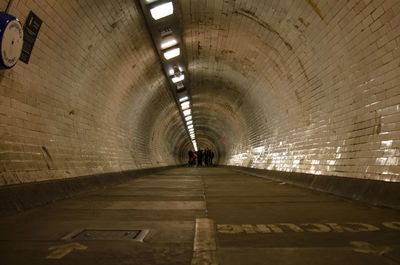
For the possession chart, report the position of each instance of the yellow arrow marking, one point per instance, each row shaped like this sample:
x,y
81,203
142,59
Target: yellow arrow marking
x,y
365,247
60,251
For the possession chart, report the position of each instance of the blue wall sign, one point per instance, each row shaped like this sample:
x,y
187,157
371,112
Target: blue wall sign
x,y
11,40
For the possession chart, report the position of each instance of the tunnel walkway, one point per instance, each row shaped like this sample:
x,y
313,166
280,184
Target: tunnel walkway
x,y
187,215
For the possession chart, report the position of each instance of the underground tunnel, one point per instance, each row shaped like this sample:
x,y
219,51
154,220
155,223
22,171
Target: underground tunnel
x,y
299,101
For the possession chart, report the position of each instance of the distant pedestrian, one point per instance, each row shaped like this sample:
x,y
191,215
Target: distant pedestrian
x,y
190,157
200,158
206,157
211,157
194,158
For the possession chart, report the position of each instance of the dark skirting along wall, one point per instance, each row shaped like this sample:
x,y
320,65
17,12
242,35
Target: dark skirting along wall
x,y
16,198
379,193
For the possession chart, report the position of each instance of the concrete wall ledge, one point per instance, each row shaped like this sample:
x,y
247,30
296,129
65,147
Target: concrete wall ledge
x,y
375,192
20,197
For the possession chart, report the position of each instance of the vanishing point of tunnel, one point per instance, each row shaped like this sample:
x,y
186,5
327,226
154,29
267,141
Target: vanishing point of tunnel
x,y
110,111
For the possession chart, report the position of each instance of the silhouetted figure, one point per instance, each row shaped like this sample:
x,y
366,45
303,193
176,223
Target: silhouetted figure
x,y
200,158
211,157
206,157
191,156
194,158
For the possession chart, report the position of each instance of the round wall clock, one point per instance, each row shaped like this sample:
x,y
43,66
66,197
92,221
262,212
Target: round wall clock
x,y
11,40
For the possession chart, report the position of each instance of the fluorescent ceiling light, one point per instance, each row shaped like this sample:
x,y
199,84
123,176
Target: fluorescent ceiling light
x,y
188,118
187,112
185,105
168,42
172,53
183,99
189,122
165,31
162,10
180,86
190,126
177,79
191,129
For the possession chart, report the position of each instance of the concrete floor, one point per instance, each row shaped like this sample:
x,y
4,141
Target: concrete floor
x,y
253,221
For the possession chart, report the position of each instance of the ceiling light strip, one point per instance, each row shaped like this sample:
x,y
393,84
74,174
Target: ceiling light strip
x,y
164,28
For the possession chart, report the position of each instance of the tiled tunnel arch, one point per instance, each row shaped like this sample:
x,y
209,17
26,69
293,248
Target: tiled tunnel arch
x,y
304,86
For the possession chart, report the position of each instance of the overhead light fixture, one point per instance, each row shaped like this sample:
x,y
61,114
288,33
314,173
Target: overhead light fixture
x,y
172,53
194,145
185,105
168,42
191,130
162,10
188,118
165,31
180,86
190,126
189,122
182,99
187,112
177,79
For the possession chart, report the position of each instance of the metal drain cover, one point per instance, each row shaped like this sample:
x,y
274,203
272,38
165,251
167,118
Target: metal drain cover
x,y
92,234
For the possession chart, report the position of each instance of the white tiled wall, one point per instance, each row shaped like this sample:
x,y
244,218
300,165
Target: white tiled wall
x,y
92,99
305,86
318,82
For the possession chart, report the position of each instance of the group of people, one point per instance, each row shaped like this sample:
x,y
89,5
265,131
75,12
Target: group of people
x,y
201,156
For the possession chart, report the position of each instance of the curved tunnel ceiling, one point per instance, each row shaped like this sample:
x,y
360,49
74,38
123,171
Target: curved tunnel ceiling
x,y
306,86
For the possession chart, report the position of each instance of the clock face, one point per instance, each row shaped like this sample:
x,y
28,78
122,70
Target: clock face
x,y
11,43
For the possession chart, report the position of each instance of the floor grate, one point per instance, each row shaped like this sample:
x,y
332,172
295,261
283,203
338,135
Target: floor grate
x,y
103,234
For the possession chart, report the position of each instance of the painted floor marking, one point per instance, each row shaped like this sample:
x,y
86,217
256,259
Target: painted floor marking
x,y
60,251
365,247
142,235
352,227
204,246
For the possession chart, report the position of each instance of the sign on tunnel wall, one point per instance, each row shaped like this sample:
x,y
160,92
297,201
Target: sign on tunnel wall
x,y
31,31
